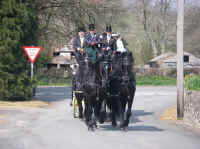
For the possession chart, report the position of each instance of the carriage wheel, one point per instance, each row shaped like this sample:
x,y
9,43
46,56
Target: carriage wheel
x,y
75,106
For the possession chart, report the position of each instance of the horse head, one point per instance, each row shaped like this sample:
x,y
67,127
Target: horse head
x,y
126,63
105,69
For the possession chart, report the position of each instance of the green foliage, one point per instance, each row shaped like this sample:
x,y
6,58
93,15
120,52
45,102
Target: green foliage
x,y
18,28
192,82
53,77
155,80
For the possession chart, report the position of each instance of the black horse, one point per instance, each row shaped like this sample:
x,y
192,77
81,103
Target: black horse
x,y
103,70
90,92
123,77
78,80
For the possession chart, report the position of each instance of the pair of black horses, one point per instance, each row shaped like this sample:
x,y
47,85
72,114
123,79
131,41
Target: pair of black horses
x,y
108,84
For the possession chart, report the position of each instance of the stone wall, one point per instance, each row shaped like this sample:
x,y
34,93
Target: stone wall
x,y
192,108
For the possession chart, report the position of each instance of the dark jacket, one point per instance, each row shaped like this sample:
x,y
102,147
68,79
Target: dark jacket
x,y
94,39
111,44
77,43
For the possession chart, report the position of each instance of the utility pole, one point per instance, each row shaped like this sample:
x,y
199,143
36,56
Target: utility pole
x,y
180,63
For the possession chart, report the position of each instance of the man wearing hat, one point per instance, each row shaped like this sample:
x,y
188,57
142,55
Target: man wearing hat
x,y
80,42
92,40
92,36
120,43
108,40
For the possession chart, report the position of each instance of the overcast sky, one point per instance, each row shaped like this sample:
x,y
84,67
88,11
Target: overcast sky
x,y
187,2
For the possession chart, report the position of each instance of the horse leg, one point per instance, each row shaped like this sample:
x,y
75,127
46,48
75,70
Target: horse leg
x,y
113,117
113,113
102,115
122,105
128,113
80,106
90,118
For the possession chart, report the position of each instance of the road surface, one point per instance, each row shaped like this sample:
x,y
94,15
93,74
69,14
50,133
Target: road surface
x,y
55,128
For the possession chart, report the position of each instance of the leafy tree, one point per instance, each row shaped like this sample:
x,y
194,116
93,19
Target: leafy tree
x,y
18,27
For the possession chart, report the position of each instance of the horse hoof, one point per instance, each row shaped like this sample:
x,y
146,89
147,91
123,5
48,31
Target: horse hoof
x,y
125,129
101,121
95,126
80,117
91,128
114,125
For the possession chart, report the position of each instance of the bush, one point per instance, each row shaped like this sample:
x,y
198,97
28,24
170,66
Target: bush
x,y
16,88
18,28
53,76
192,82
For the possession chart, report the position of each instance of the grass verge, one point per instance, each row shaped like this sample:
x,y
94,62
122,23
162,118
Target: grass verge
x,y
20,104
192,82
55,82
155,80
169,114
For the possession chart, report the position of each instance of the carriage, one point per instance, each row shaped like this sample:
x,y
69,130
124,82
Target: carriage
x,y
106,83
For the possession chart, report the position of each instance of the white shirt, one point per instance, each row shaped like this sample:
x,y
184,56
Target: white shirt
x,y
82,42
120,46
108,38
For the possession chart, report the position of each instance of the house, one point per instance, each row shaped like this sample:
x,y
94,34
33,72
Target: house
x,y
168,60
62,58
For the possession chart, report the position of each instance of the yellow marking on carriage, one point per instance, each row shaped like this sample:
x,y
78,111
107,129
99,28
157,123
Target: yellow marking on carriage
x,y
75,105
78,91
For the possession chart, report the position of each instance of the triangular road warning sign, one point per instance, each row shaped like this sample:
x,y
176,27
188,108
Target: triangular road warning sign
x,y
32,52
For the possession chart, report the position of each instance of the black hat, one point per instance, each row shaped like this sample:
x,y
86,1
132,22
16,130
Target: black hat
x,y
109,28
81,29
91,27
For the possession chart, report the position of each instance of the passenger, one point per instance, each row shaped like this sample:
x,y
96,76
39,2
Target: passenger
x,y
80,42
120,43
92,42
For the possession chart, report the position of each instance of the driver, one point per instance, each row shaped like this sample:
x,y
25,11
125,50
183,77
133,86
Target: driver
x,y
108,40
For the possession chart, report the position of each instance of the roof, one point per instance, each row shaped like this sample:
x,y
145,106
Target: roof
x,y
170,57
162,56
192,59
60,60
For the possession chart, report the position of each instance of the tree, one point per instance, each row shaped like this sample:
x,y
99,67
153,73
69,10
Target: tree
x,y
60,19
192,29
155,16
18,27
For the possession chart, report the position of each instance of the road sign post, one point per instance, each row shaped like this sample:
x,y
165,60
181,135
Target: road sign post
x,y
32,71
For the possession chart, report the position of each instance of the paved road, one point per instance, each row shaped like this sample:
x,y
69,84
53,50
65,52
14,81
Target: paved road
x,y
54,127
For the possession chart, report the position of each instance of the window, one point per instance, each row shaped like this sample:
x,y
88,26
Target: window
x,y
153,64
186,58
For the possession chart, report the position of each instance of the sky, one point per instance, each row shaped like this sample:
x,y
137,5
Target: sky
x,y
187,2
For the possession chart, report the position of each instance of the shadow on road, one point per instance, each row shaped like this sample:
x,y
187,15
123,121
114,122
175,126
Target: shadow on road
x,y
144,128
108,127
134,119
138,113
